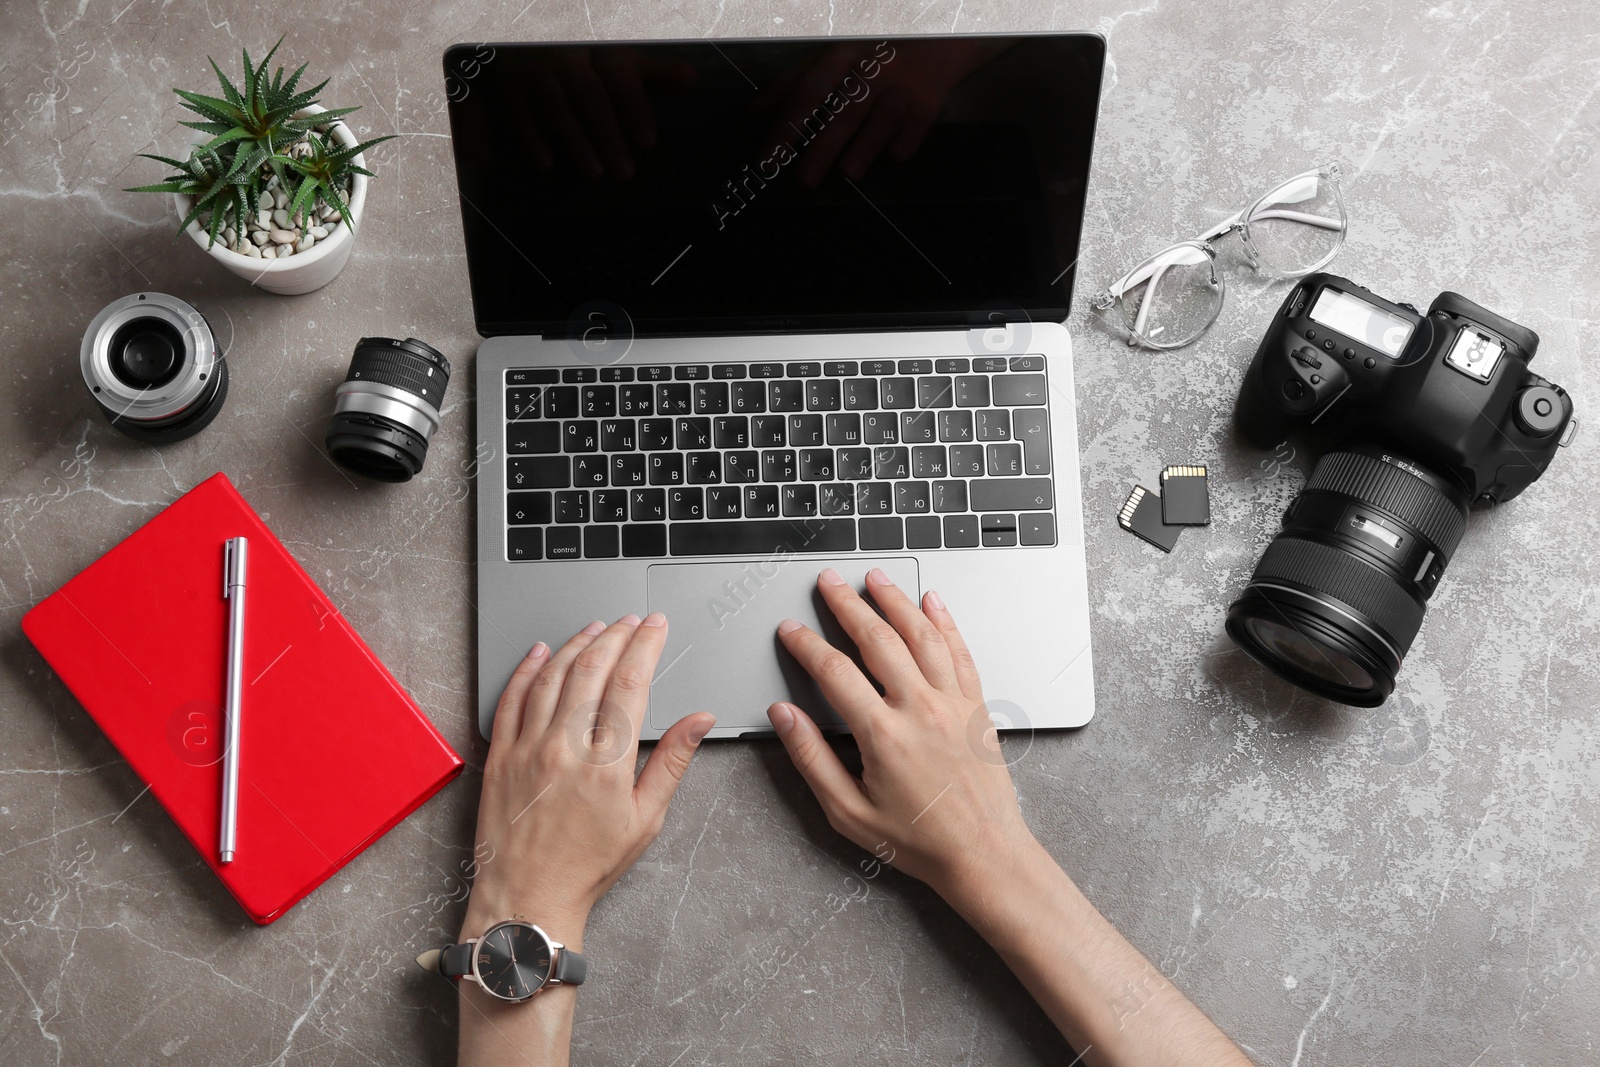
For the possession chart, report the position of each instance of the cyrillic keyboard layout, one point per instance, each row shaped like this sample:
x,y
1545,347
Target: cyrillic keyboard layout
x,y
762,458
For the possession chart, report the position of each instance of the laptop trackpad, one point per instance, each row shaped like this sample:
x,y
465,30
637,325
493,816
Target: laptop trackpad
x,y
722,652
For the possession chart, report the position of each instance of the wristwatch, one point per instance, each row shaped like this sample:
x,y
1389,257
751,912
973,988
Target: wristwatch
x,y
512,961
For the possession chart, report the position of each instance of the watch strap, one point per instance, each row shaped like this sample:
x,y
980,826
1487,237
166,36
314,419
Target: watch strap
x,y
456,960
570,967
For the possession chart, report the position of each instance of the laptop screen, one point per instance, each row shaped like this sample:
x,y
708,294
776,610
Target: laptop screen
x,y
775,185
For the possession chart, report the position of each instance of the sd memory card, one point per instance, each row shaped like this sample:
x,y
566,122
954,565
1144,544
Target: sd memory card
x,y
1185,498
1141,515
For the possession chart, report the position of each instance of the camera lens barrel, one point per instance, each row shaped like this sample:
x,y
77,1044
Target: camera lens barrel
x,y
387,409
151,364
1339,595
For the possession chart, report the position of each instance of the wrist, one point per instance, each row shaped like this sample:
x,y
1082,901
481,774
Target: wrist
x,y
981,887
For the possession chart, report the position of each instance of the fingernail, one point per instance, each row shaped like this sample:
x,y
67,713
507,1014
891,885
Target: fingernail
x,y
594,628
628,620
788,626
782,717
655,618
829,576
697,732
539,649
934,600
876,575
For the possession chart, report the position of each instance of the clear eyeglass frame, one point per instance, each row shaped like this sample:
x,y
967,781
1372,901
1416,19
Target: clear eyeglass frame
x,y
1138,293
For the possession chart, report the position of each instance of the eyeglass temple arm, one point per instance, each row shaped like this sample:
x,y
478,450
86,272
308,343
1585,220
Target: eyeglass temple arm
x,y
1151,270
1233,221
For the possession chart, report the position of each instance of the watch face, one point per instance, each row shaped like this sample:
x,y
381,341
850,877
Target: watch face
x,y
513,960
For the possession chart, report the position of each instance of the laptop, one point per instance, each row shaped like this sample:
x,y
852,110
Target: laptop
x,y
753,308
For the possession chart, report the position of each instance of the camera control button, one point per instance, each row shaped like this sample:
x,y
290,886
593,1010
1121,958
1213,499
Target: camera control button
x,y
1538,411
1316,379
1328,344
1294,388
1349,353
1369,363
1311,335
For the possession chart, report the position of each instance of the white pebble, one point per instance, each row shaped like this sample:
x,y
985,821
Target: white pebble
x,y
280,217
280,199
269,252
260,237
284,237
305,243
230,235
252,251
323,211
333,217
319,232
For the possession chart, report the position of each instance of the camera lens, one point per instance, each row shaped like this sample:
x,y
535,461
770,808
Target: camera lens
x,y
151,364
1340,593
387,409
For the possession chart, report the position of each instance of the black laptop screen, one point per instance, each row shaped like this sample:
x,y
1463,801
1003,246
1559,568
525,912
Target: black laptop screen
x,y
781,185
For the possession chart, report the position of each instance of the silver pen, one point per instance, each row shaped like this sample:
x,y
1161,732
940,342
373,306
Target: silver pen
x,y
235,557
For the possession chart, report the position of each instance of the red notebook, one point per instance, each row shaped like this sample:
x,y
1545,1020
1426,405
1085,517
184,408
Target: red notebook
x,y
333,752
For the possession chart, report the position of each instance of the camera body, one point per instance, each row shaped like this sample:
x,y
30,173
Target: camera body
x,y
1450,389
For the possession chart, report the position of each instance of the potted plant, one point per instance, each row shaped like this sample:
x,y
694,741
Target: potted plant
x,y
276,187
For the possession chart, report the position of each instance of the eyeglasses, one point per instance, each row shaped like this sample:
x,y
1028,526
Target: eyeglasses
x,y
1171,298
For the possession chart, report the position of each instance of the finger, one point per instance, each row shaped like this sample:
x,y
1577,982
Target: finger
x,y
669,763
587,680
545,692
840,793
966,667
629,687
921,636
841,682
508,713
882,649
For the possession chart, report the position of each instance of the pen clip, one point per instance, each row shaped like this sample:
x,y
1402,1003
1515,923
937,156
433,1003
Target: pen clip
x,y
233,564
227,567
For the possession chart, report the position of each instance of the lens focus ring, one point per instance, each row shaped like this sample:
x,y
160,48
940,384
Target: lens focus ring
x,y
1335,573
1383,485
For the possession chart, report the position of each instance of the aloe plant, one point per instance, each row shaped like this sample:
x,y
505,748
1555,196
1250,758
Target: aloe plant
x,y
324,171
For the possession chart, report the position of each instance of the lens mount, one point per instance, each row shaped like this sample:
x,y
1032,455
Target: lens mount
x,y
150,362
388,408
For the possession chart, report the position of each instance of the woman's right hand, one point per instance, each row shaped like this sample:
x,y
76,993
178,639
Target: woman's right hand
x,y
934,799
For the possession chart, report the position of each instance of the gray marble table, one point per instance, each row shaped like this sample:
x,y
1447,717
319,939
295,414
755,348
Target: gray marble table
x,y
1410,885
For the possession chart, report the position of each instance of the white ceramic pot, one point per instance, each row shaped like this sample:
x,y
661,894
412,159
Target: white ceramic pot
x,y
303,271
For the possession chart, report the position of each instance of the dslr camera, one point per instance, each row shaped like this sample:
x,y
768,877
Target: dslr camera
x,y
1428,417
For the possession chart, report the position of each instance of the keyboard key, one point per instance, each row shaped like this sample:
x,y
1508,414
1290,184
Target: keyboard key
x,y
922,532
949,496
645,541
1019,390
989,364
861,394
880,428
722,502
674,398
778,465
1031,426
933,392
748,397
916,366
561,402
799,501
636,400
785,396
911,498
952,366
740,467
711,398
525,437
961,531
731,431
691,372
760,501
918,427
766,370
687,503
538,472
572,505
955,425
601,542
841,368
597,401
655,374
727,370
874,498
1005,461
655,435
647,505
844,429
563,542
891,461
878,366
617,435
766,431
1027,363
692,433
616,374
880,534
966,461
763,538
525,542
523,403
816,465
928,461
1037,528
533,376
898,393
999,531
822,394
528,509
803,370
580,435
836,499
704,468
589,470
805,431
666,468
579,375
609,505
972,392
627,470
1012,494
994,425
855,463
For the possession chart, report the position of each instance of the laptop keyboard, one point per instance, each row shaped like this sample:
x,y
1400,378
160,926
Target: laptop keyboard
x,y
761,458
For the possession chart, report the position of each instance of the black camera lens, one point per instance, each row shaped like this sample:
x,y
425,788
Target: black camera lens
x,y
1340,593
387,409
151,364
